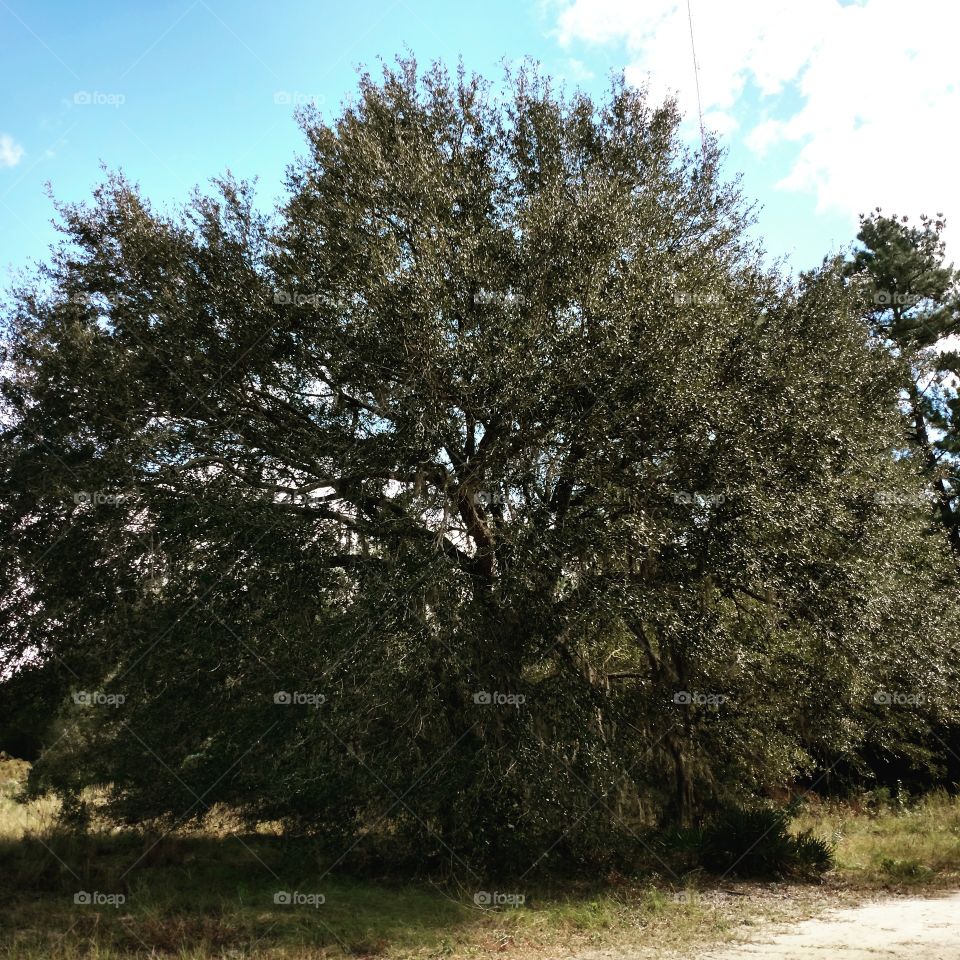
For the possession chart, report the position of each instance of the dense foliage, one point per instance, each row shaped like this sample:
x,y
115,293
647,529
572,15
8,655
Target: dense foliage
x,y
490,501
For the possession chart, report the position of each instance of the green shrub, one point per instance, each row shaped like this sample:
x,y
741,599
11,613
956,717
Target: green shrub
x,y
758,843
752,843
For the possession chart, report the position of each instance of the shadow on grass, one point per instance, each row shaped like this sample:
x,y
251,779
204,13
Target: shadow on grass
x,y
132,893
124,894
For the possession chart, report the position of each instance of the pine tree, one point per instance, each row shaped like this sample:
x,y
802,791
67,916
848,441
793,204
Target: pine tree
x,y
912,301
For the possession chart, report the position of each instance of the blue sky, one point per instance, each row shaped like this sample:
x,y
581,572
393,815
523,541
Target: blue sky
x,y
176,91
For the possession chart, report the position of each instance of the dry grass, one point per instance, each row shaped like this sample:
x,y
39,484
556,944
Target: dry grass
x,y
16,818
881,844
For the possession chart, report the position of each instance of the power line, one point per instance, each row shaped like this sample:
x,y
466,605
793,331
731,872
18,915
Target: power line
x,y
696,79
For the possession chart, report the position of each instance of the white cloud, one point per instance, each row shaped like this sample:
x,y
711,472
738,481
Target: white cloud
x,y
578,70
764,135
720,121
866,96
10,151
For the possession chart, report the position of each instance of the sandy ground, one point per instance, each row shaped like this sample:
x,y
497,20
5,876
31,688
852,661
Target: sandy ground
x,y
907,928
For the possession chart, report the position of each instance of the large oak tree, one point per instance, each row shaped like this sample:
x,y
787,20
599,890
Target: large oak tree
x,y
491,496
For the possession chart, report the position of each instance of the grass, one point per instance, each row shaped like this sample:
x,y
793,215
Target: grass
x,y
881,844
212,894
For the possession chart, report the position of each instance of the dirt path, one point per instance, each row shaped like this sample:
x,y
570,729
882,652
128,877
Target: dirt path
x,y
896,929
